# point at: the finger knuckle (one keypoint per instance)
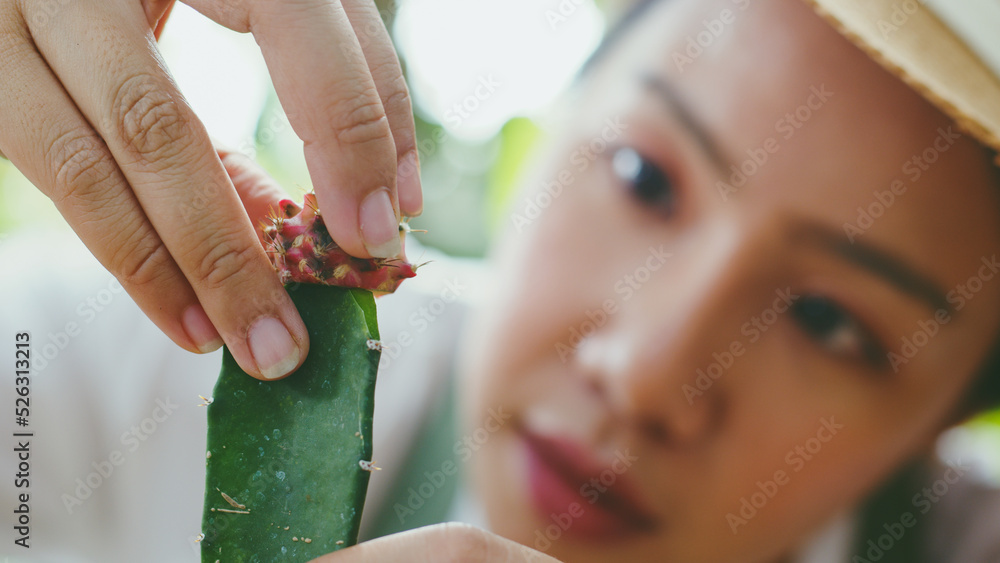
(223, 262)
(361, 121)
(151, 121)
(82, 168)
(398, 98)
(141, 265)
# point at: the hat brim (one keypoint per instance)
(927, 55)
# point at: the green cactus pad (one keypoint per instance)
(290, 451)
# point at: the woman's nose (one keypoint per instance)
(663, 362)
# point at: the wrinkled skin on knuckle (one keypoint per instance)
(398, 97)
(83, 172)
(153, 124)
(142, 264)
(360, 121)
(223, 260)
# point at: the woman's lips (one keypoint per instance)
(583, 496)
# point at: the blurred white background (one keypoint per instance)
(479, 72)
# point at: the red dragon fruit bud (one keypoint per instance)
(302, 251)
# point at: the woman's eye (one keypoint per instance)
(836, 330)
(645, 181)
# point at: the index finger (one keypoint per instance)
(324, 83)
(163, 151)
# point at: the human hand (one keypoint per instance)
(89, 113)
(441, 543)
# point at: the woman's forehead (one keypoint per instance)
(751, 64)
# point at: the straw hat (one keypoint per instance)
(947, 50)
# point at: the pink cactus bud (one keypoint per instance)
(302, 251)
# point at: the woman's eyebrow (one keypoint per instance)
(878, 261)
(687, 117)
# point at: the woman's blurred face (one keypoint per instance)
(702, 349)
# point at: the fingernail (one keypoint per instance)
(273, 348)
(411, 200)
(200, 329)
(379, 225)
